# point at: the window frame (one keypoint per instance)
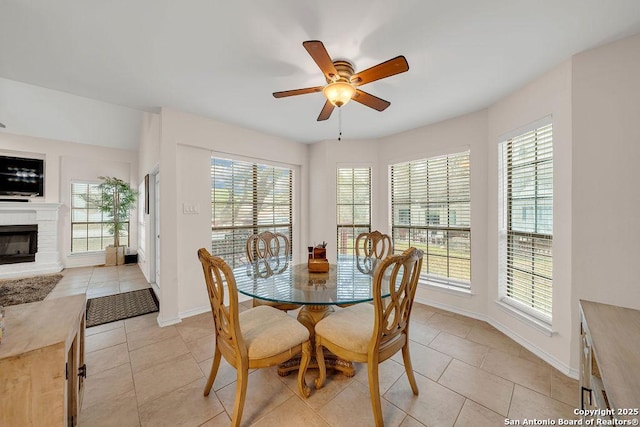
(396, 207)
(240, 233)
(542, 138)
(103, 222)
(357, 228)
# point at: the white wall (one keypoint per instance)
(186, 145)
(549, 94)
(67, 161)
(606, 174)
(36, 111)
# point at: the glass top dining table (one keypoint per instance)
(349, 281)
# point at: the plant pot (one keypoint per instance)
(114, 256)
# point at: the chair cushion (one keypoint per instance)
(268, 331)
(350, 328)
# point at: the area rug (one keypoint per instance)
(27, 289)
(120, 306)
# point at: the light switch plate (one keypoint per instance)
(190, 209)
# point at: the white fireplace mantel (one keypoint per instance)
(46, 216)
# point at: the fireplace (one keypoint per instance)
(47, 258)
(18, 243)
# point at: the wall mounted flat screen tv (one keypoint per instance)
(21, 176)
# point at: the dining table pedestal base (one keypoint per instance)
(309, 315)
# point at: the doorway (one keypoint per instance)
(154, 193)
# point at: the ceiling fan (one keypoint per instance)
(343, 82)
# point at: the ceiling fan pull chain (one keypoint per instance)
(339, 124)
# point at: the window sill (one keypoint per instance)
(446, 288)
(538, 324)
(84, 254)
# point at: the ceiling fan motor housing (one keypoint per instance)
(344, 69)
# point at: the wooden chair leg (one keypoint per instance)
(322, 369)
(241, 394)
(305, 390)
(214, 371)
(408, 368)
(374, 391)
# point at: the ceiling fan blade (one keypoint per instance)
(369, 100)
(293, 92)
(320, 55)
(326, 111)
(388, 68)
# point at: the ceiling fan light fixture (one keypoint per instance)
(339, 93)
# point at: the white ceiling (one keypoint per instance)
(224, 59)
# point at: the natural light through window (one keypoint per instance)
(431, 210)
(89, 226)
(247, 198)
(526, 232)
(353, 204)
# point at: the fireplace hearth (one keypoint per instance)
(18, 243)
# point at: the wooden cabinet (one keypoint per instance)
(610, 361)
(42, 363)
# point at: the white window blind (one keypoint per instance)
(89, 226)
(526, 259)
(247, 198)
(431, 210)
(353, 204)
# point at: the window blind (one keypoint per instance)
(353, 204)
(431, 210)
(247, 198)
(527, 259)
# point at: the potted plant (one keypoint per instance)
(116, 200)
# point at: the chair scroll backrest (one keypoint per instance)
(269, 246)
(373, 245)
(371, 248)
(217, 273)
(392, 314)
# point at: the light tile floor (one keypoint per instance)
(468, 374)
(99, 281)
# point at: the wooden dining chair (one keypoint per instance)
(275, 250)
(256, 338)
(269, 245)
(374, 245)
(372, 333)
(370, 248)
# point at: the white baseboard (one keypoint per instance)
(168, 322)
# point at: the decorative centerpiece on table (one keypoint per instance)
(317, 262)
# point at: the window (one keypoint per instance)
(431, 210)
(353, 203)
(526, 215)
(90, 227)
(247, 198)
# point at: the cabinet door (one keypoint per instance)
(72, 384)
(82, 374)
(76, 373)
(586, 396)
